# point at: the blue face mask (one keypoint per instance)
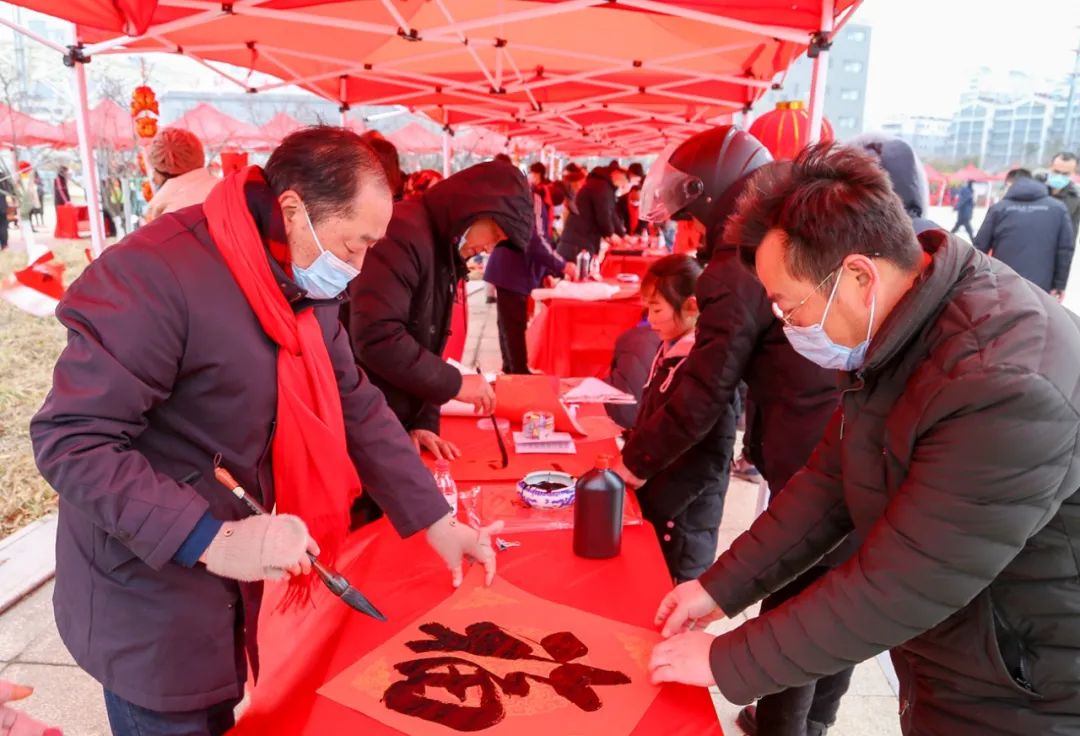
(815, 345)
(328, 275)
(1057, 181)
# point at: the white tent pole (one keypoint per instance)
(445, 153)
(343, 87)
(821, 70)
(77, 62)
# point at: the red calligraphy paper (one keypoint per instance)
(500, 661)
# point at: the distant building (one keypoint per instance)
(845, 90)
(928, 135)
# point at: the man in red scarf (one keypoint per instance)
(211, 336)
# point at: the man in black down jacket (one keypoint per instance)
(593, 218)
(953, 459)
(739, 339)
(403, 299)
(1030, 232)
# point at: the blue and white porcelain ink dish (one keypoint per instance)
(547, 489)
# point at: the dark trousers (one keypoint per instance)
(790, 712)
(964, 222)
(513, 313)
(128, 719)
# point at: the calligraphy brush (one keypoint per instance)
(498, 433)
(335, 581)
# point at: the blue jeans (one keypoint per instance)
(128, 719)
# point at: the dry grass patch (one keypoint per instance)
(29, 347)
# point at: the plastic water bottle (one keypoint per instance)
(446, 485)
(598, 512)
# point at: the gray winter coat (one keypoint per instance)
(1031, 233)
(953, 458)
(166, 365)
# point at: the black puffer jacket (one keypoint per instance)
(593, 219)
(402, 301)
(685, 500)
(954, 459)
(738, 339)
(1030, 232)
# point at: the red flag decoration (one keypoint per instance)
(36, 289)
(786, 130)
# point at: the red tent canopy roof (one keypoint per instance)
(969, 173)
(110, 125)
(933, 174)
(20, 129)
(217, 130)
(676, 67)
(415, 138)
(279, 126)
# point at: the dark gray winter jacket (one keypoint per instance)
(1030, 232)
(954, 460)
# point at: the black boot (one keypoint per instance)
(747, 720)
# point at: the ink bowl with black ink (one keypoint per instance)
(547, 489)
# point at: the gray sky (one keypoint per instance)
(923, 52)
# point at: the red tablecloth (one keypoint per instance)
(573, 338)
(638, 265)
(404, 579)
(68, 217)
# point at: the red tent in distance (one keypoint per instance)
(110, 126)
(217, 130)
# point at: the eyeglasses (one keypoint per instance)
(785, 317)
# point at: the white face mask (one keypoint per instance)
(328, 275)
(814, 344)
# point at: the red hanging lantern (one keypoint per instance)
(143, 99)
(147, 190)
(786, 130)
(146, 127)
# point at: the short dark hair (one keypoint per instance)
(538, 168)
(505, 158)
(636, 169)
(674, 278)
(829, 202)
(1015, 174)
(325, 165)
(391, 162)
(1065, 156)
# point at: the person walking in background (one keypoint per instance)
(1063, 188)
(179, 170)
(1030, 231)
(38, 213)
(965, 208)
(61, 193)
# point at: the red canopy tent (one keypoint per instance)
(479, 141)
(217, 130)
(279, 126)
(969, 173)
(620, 78)
(19, 129)
(111, 126)
(415, 138)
